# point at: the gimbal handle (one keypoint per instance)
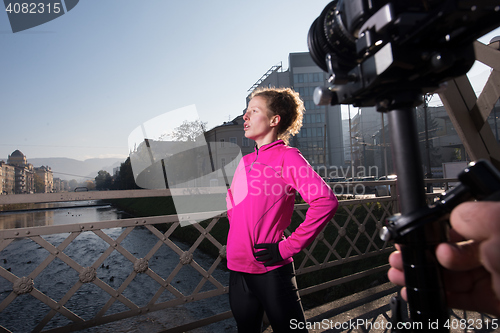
(424, 283)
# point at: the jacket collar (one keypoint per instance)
(269, 145)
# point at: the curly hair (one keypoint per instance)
(286, 103)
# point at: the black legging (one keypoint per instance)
(274, 292)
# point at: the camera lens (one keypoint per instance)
(328, 34)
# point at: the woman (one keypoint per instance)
(260, 207)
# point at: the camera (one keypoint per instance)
(384, 53)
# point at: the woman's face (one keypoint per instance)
(258, 126)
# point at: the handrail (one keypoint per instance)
(356, 226)
(100, 195)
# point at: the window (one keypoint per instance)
(223, 162)
(314, 118)
(233, 141)
(309, 105)
(311, 91)
(245, 142)
(222, 143)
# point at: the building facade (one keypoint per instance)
(17, 176)
(24, 177)
(8, 178)
(226, 143)
(439, 142)
(366, 155)
(45, 179)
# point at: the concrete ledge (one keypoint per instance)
(369, 311)
(365, 305)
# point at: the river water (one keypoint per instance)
(59, 213)
(22, 256)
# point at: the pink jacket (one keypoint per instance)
(260, 205)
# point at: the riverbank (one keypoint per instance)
(29, 208)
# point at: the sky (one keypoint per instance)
(79, 85)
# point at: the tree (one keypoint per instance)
(89, 185)
(73, 183)
(103, 180)
(125, 179)
(188, 131)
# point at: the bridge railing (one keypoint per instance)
(78, 287)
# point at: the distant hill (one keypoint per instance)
(67, 168)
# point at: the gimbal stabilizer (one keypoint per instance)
(389, 54)
(481, 181)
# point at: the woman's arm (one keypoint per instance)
(299, 174)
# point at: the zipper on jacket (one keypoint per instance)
(256, 157)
